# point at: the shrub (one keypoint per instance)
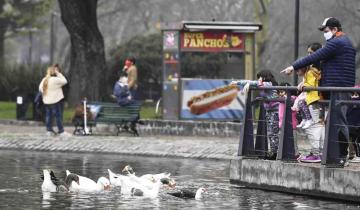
(20, 79)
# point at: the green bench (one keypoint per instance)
(125, 118)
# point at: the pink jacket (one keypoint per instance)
(282, 111)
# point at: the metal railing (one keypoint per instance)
(286, 148)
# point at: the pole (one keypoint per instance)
(296, 37)
(30, 46)
(52, 38)
(86, 129)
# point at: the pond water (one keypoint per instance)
(20, 184)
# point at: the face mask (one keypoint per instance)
(328, 35)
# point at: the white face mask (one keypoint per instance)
(328, 35)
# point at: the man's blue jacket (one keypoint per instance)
(338, 62)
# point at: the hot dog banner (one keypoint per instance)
(212, 41)
(211, 99)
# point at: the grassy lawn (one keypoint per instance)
(8, 111)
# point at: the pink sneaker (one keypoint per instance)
(311, 159)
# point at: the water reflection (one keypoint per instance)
(20, 184)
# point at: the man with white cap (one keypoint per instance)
(338, 68)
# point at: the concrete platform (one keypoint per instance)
(299, 178)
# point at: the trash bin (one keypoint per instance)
(21, 108)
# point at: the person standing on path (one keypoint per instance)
(132, 73)
(338, 70)
(52, 94)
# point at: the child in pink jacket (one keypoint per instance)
(282, 93)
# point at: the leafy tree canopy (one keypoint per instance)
(16, 14)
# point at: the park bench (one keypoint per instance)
(125, 118)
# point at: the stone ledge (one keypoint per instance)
(150, 146)
(163, 127)
(311, 179)
(190, 128)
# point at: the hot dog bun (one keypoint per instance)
(212, 99)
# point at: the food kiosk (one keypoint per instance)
(233, 47)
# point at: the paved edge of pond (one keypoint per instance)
(163, 127)
(305, 179)
(156, 146)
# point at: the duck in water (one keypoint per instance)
(186, 193)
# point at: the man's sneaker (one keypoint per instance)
(344, 162)
(65, 135)
(307, 124)
(311, 159)
(270, 156)
(50, 133)
(355, 160)
(302, 123)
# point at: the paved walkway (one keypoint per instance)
(32, 136)
(29, 137)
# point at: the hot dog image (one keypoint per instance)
(213, 99)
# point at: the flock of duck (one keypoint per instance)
(147, 185)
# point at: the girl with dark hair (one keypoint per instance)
(266, 79)
(311, 49)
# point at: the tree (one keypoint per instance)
(87, 65)
(19, 16)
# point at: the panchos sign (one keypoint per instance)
(212, 41)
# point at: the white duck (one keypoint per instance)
(143, 187)
(117, 179)
(146, 191)
(87, 185)
(155, 177)
(133, 185)
(122, 181)
(48, 184)
(49, 180)
(148, 177)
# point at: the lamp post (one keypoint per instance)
(53, 35)
(296, 36)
